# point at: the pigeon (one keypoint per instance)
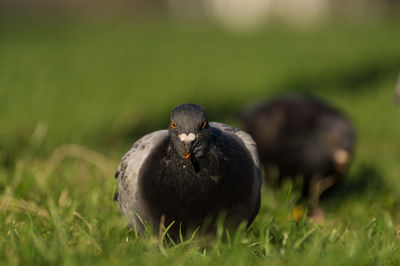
(186, 177)
(300, 135)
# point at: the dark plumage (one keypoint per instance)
(301, 135)
(189, 173)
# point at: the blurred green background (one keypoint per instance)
(101, 79)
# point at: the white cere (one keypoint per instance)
(187, 138)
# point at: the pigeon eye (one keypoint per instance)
(173, 124)
(204, 124)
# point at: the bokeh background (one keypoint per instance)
(80, 81)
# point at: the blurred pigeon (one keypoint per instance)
(189, 174)
(302, 136)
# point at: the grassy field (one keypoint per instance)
(75, 95)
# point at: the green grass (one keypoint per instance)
(75, 95)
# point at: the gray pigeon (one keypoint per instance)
(301, 135)
(189, 174)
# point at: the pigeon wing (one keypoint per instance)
(253, 204)
(128, 172)
(245, 138)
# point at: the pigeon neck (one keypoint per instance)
(194, 162)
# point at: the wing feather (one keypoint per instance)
(128, 175)
(253, 204)
(247, 140)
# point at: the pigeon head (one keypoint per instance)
(189, 130)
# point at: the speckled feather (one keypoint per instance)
(128, 172)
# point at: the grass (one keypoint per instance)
(75, 96)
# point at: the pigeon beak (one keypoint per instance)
(187, 143)
(188, 147)
(187, 155)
